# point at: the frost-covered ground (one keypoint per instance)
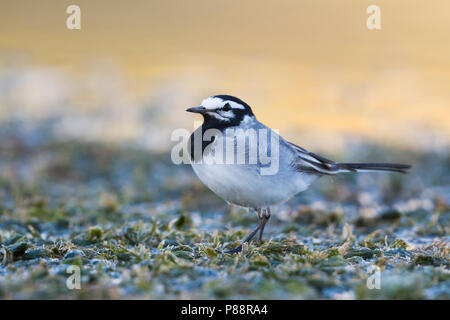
(140, 227)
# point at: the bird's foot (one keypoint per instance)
(235, 250)
(232, 251)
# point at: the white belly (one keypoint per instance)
(243, 185)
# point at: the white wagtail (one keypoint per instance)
(244, 183)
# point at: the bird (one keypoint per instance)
(244, 183)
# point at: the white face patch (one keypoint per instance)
(212, 103)
(216, 103)
(218, 116)
(225, 114)
(234, 105)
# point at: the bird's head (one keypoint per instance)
(223, 111)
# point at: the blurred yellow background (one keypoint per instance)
(310, 68)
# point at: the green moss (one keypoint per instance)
(399, 243)
(95, 234)
(37, 253)
(365, 253)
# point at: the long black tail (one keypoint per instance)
(355, 167)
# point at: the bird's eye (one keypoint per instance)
(226, 107)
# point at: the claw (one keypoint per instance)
(235, 250)
(232, 251)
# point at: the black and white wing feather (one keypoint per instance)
(309, 162)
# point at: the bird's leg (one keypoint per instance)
(264, 216)
(261, 224)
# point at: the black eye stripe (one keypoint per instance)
(226, 107)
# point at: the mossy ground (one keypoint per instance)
(140, 227)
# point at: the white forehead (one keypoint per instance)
(214, 103)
